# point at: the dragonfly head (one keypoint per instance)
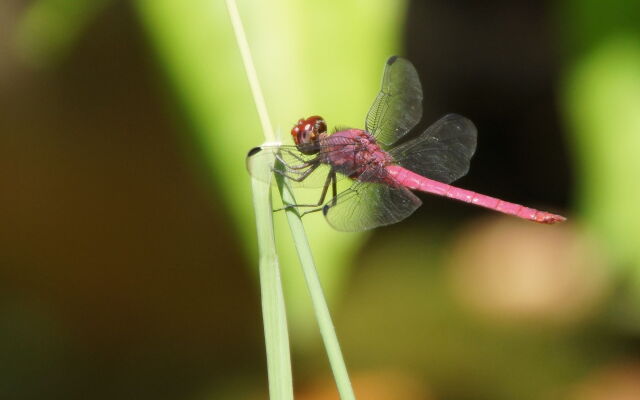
(308, 132)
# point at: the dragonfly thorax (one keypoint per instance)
(352, 152)
(307, 134)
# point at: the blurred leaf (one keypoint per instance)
(601, 99)
(312, 58)
(586, 23)
(50, 28)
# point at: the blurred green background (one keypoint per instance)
(127, 244)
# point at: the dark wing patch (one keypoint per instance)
(443, 152)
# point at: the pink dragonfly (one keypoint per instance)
(383, 175)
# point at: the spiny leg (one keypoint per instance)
(334, 190)
(304, 163)
(303, 176)
(331, 177)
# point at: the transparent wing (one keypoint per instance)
(301, 170)
(398, 106)
(367, 205)
(443, 152)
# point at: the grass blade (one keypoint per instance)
(320, 307)
(274, 314)
(273, 306)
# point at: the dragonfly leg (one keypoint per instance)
(289, 165)
(311, 211)
(316, 209)
(331, 177)
(302, 176)
(334, 189)
(303, 163)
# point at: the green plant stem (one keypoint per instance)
(274, 313)
(250, 69)
(273, 306)
(327, 330)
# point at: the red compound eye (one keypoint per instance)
(308, 130)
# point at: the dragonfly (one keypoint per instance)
(382, 172)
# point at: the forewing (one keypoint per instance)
(443, 152)
(398, 106)
(368, 205)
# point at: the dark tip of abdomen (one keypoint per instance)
(391, 60)
(254, 151)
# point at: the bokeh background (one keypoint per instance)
(128, 265)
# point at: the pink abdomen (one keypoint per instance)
(414, 181)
